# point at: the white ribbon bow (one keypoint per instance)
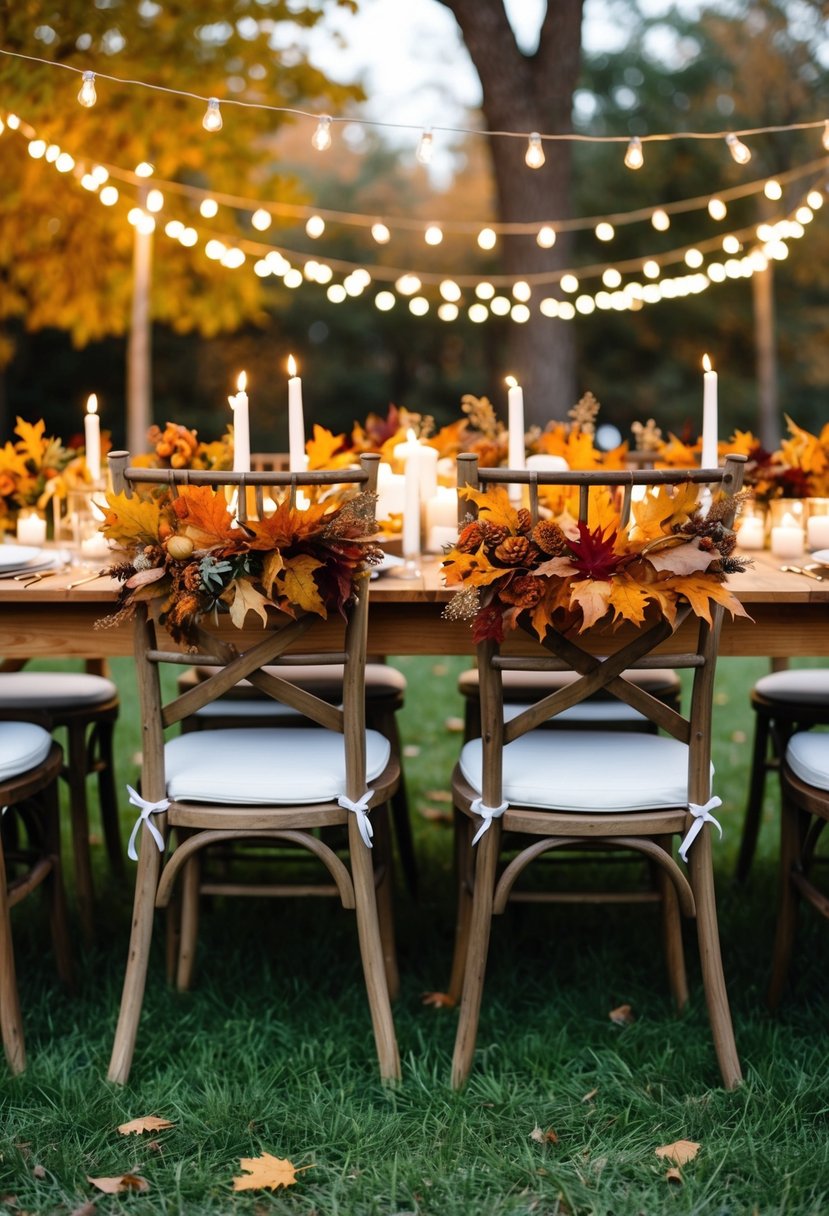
(359, 808)
(147, 809)
(487, 813)
(702, 814)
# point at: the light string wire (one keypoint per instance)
(552, 137)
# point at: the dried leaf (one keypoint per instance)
(628, 599)
(673, 1175)
(682, 559)
(147, 1123)
(205, 518)
(131, 521)
(494, 505)
(322, 449)
(272, 564)
(119, 1184)
(590, 1095)
(623, 1015)
(439, 795)
(265, 1171)
(655, 514)
(463, 565)
(298, 585)
(246, 599)
(438, 1000)
(143, 577)
(434, 814)
(544, 1137)
(39, 1172)
(699, 592)
(592, 596)
(680, 1152)
(86, 1209)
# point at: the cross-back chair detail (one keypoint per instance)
(274, 794)
(502, 795)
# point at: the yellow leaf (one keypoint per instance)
(493, 504)
(699, 591)
(272, 563)
(131, 521)
(680, 1152)
(322, 448)
(246, 599)
(628, 599)
(298, 585)
(473, 566)
(592, 596)
(147, 1123)
(32, 442)
(656, 513)
(265, 1172)
(120, 1183)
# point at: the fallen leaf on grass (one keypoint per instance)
(623, 1015)
(679, 1152)
(590, 1095)
(454, 725)
(673, 1175)
(542, 1137)
(435, 814)
(119, 1184)
(38, 1172)
(266, 1171)
(86, 1209)
(439, 795)
(438, 1000)
(146, 1123)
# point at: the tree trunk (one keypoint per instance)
(530, 93)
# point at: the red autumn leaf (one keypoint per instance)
(593, 553)
(488, 625)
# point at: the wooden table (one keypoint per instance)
(790, 618)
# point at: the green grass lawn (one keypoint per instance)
(272, 1050)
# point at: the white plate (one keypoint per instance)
(48, 560)
(389, 563)
(17, 555)
(821, 556)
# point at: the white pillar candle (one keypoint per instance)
(390, 491)
(817, 531)
(411, 506)
(241, 426)
(787, 538)
(427, 462)
(752, 533)
(709, 458)
(441, 518)
(515, 427)
(543, 463)
(31, 528)
(92, 437)
(296, 422)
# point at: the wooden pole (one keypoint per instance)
(768, 404)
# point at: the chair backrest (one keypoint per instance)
(598, 654)
(349, 496)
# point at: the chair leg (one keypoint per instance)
(672, 934)
(463, 907)
(75, 774)
(189, 924)
(58, 915)
(132, 997)
(480, 926)
(713, 979)
(11, 1022)
(371, 951)
(756, 792)
(793, 823)
(108, 798)
(385, 899)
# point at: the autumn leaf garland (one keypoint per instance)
(189, 553)
(571, 575)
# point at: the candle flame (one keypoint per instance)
(291, 365)
(242, 381)
(92, 404)
(511, 382)
(706, 364)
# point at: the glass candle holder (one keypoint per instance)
(817, 523)
(787, 520)
(751, 525)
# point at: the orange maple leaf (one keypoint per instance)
(265, 1172)
(206, 519)
(556, 596)
(146, 1123)
(288, 525)
(628, 599)
(326, 450)
(700, 591)
(464, 566)
(656, 513)
(493, 504)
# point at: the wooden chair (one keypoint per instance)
(30, 764)
(804, 783)
(588, 790)
(784, 703)
(84, 705)
(275, 787)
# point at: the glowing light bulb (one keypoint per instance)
(611, 277)
(12, 122)
(487, 238)
(634, 157)
(605, 231)
(64, 163)
(261, 219)
(569, 283)
(315, 226)
(824, 139)
(87, 95)
(739, 152)
(37, 147)
(433, 235)
(450, 290)
(380, 233)
(109, 196)
(773, 190)
(815, 199)
(731, 244)
(546, 237)
(155, 200)
(212, 120)
(208, 208)
(521, 291)
(425, 148)
(660, 220)
(693, 258)
(717, 209)
(534, 156)
(651, 269)
(144, 169)
(321, 139)
(484, 291)
(385, 301)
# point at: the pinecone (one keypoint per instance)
(192, 577)
(513, 551)
(550, 538)
(524, 591)
(494, 533)
(525, 521)
(471, 538)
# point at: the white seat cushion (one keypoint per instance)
(595, 771)
(587, 711)
(22, 746)
(265, 766)
(326, 679)
(53, 690)
(808, 757)
(810, 687)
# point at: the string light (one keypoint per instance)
(87, 95)
(321, 139)
(731, 244)
(634, 157)
(425, 148)
(261, 219)
(315, 226)
(380, 233)
(208, 208)
(605, 231)
(739, 152)
(144, 169)
(717, 209)
(773, 190)
(212, 120)
(155, 200)
(534, 157)
(433, 235)
(660, 220)
(546, 237)
(487, 238)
